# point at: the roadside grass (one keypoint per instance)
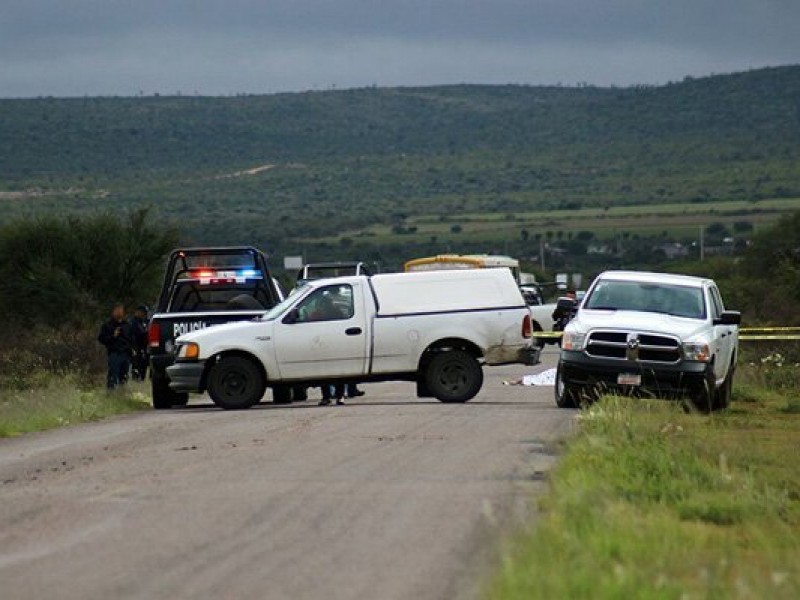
(653, 502)
(61, 400)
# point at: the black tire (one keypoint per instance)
(722, 396)
(567, 396)
(453, 376)
(163, 396)
(705, 398)
(540, 342)
(281, 394)
(236, 383)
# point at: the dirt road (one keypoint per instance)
(389, 497)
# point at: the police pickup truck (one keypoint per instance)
(436, 328)
(204, 287)
(650, 334)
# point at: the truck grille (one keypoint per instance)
(631, 345)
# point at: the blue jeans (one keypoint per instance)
(119, 365)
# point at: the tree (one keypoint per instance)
(455, 228)
(524, 234)
(71, 270)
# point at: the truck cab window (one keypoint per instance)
(331, 303)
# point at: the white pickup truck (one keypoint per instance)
(650, 334)
(434, 328)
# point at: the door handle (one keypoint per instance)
(353, 331)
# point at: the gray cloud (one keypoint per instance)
(75, 47)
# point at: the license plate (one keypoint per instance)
(629, 379)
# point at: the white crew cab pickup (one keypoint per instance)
(650, 334)
(434, 328)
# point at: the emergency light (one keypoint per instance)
(212, 276)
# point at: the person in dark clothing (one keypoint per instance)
(332, 391)
(562, 316)
(116, 336)
(353, 391)
(139, 333)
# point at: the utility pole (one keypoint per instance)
(541, 254)
(702, 244)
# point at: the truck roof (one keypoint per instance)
(651, 277)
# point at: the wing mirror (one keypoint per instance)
(292, 317)
(729, 317)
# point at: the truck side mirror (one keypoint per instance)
(729, 317)
(292, 317)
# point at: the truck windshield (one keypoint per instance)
(197, 296)
(281, 308)
(668, 299)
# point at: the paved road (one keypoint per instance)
(389, 497)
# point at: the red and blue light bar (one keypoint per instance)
(225, 275)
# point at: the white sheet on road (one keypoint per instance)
(545, 378)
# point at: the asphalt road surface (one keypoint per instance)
(388, 497)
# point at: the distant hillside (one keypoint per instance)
(276, 168)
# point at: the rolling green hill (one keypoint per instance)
(360, 171)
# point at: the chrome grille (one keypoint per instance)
(635, 346)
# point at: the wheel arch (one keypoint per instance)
(449, 343)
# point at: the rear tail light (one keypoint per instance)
(527, 327)
(154, 335)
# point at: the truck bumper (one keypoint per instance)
(160, 362)
(186, 377)
(657, 379)
(510, 355)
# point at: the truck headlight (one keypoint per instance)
(573, 341)
(190, 351)
(696, 351)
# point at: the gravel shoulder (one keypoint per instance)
(389, 497)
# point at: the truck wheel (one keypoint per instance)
(722, 397)
(281, 394)
(705, 398)
(567, 396)
(236, 383)
(454, 376)
(163, 396)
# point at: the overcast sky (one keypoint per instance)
(77, 47)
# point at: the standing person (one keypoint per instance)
(139, 333)
(332, 391)
(115, 335)
(353, 391)
(561, 315)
